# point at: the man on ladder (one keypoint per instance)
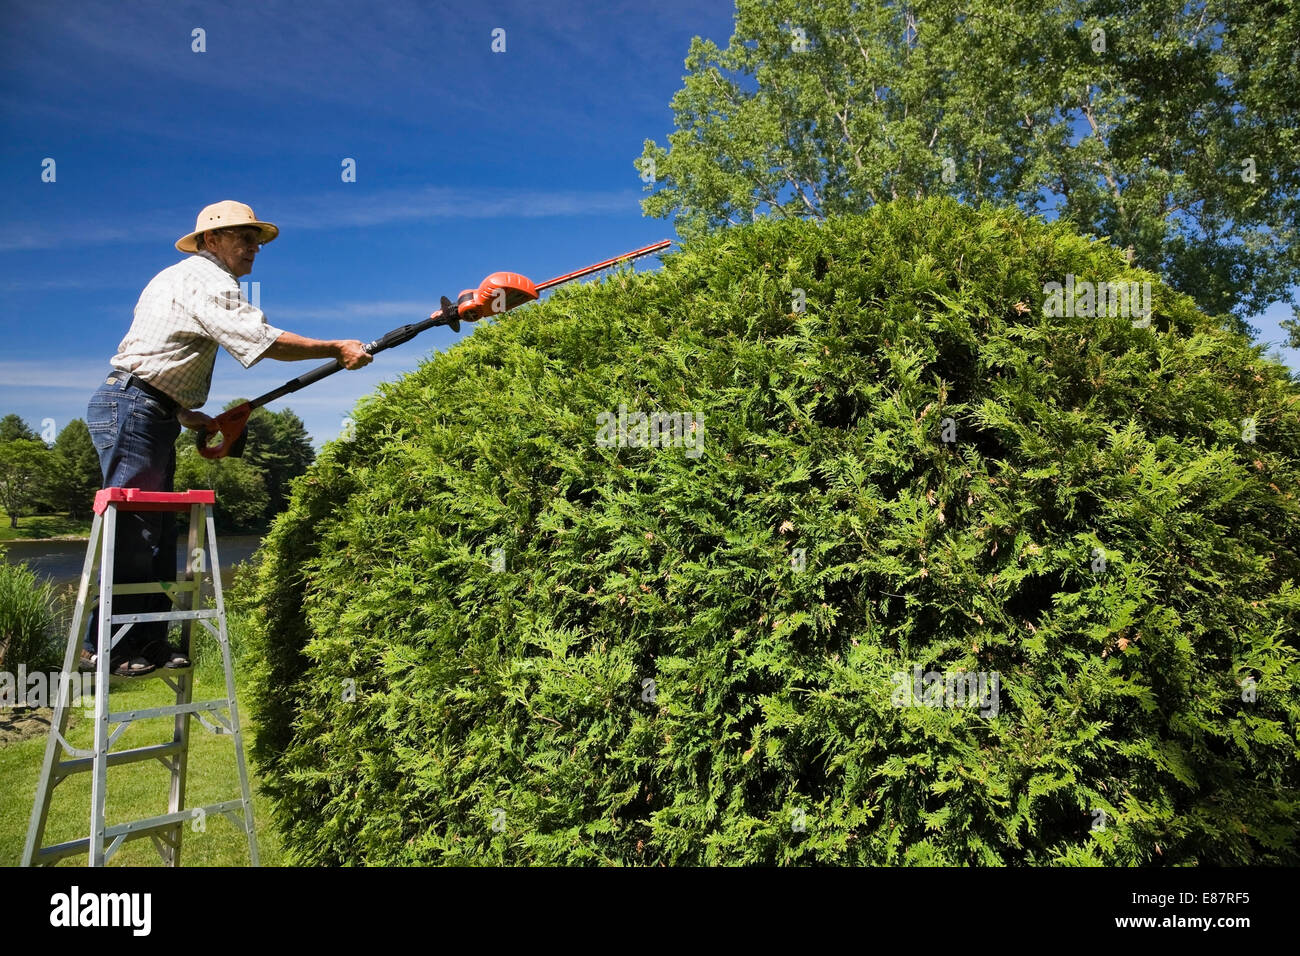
(163, 370)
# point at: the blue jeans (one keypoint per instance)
(135, 436)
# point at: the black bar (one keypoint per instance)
(388, 340)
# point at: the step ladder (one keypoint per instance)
(167, 829)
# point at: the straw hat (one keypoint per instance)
(223, 215)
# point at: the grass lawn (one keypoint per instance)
(43, 526)
(139, 790)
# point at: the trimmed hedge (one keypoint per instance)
(694, 656)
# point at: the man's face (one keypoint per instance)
(236, 247)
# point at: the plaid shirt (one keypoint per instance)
(184, 313)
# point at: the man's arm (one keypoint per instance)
(289, 347)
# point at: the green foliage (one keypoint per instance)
(240, 489)
(1078, 506)
(277, 451)
(76, 474)
(26, 469)
(13, 428)
(206, 652)
(278, 446)
(1189, 107)
(27, 620)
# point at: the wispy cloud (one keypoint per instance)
(16, 238)
(331, 48)
(60, 388)
(55, 285)
(333, 210)
(329, 55)
(81, 374)
(330, 210)
(409, 311)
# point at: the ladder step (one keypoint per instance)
(132, 831)
(155, 587)
(166, 616)
(135, 499)
(171, 710)
(66, 768)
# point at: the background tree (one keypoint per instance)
(39, 499)
(26, 466)
(13, 428)
(239, 486)
(279, 447)
(1170, 126)
(76, 473)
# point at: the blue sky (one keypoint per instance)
(468, 162)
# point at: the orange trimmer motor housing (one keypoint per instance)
(499, 292)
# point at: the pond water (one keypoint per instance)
(60, 562)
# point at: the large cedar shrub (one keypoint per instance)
(1076, 505)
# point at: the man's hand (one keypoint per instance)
(352, 354)
(193, 418)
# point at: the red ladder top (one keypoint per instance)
(133, 499)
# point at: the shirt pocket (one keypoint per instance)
(101, 420)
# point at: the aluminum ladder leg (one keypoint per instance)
(219, 716)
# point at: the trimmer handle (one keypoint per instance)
(500, 292)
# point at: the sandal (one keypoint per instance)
(163, 654)
(119, 667)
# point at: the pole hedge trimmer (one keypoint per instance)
(499, 292)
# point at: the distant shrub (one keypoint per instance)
(28, 612)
